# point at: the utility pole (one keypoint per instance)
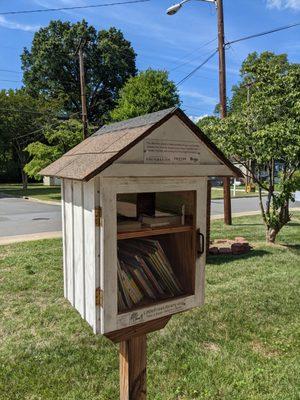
(222, 87)
(82, 88)
(223, 102)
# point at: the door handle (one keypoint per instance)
(200, 243)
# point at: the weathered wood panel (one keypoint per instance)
(97, 326)
(133, 363)
(63, 219)
(69, 255)
(201, 225)
(90, 255)
(128, 170)
(108, 256)
(79, 251)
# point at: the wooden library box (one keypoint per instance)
(134, 212)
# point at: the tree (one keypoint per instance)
(148, 92)
(21, 118)
(262, 132)
(58, 140)
(51, 66)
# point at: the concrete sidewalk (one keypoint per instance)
(29, 237)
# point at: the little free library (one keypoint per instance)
(134, 207)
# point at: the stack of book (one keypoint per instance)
(144, 274)
(128, 221)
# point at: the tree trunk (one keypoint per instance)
(271, 234)
(24, 179)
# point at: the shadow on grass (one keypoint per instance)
(228, 258)
(31, 191)
(247, 224)
(293, 224)
(294, 248)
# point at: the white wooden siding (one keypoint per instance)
(63, 206)
(79, 274)
(68, 219)
(81, 250)
(90, 251)
(129, 170)
(108, 256)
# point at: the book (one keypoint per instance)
(156, 222)
(129, 226)
(144, 273)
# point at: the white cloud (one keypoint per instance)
(4, 23)
(207, 100)
(196, 119)
(284, 4)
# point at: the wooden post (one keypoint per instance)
(223, 101)
(133, 360)
(208, 216)
(227, 201)
(83, 91)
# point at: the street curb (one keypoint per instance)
(55, 203)
(9, 196)
(30, 237)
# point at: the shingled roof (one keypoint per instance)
(100, 150)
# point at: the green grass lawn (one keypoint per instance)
(217, 193)
(36, 190)
(243, 344)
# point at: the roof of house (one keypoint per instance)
(110, 142)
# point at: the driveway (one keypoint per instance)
(23, 217)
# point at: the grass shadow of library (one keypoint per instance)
(294, 248)
(228, 258)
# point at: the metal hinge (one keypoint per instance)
(98, 216)
(99, 297)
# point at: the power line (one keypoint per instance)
(72, 8)
(192, 52)
(237, 41)
(44, 126)
(197, 68)
(262, 33)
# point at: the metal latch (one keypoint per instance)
(200, 243)
(99, 297)
(98, 216)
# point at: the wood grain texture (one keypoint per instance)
(227, 201)
(63, 206)
(154, 231)
(133, 363)
(208, 208)
(138, 330)
(79, 250)
(160, 170)
(89, 256)
(69, 232)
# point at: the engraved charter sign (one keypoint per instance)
(161, 151)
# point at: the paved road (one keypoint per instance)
(21, 217)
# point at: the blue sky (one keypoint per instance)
(164, 42)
